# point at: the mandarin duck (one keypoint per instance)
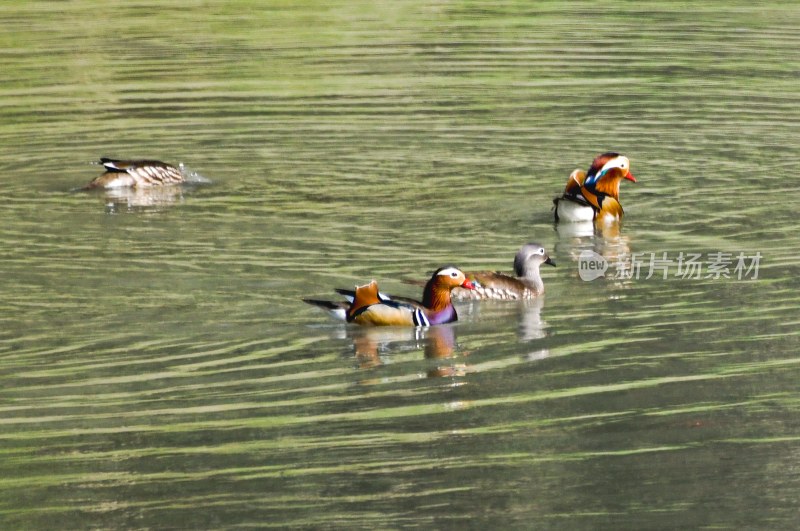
(368, 306)
(594, 195)
(137, 174)
(525, 284)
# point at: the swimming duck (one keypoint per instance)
(594, 195)
(525, 284)
(136, 174)
(368, 306)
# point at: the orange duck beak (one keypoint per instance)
(630, 177)
(467, 284)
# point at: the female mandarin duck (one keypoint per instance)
(137, 174)
(367, 306)
(526, 284)
(594, 195)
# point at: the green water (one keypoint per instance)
(158, 370)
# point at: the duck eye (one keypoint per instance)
(454, 274)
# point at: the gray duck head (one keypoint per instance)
(528, 260)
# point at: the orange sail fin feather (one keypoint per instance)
(575, 182)
(365, 295)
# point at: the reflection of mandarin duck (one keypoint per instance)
(137, 174)
(370, 342)
(440, 342)
(367, 306)
(526, 284)
(594, 195)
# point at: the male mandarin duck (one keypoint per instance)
(594, 195)
(526, 284)
(367, 306)
(137, 174)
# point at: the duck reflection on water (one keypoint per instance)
(527, 313)
(375, 347)
(373, 344)
(133, 199)
(531, 326)
(606, 241)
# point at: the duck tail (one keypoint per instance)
(336, 309)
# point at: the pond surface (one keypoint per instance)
(158, 369)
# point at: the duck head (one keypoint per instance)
(529, 258)
(449, 277)
(443, 280)
(606, 172)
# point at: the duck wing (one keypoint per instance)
(389, 313)
(143, 172)
(494, 285)
(497, 280)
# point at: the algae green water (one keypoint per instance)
(158, 370)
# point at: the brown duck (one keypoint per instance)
(526, 283)
(137, 174)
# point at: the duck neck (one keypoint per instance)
(608, 186)
(436, 298)
(533, 279)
